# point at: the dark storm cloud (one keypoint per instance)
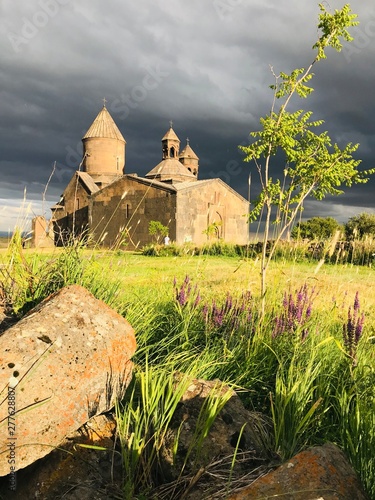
(203, 64)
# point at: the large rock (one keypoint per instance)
(322, 472)
(67, 360)
(74, 472)
(208, 458)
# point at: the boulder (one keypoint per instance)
(321, 472)
(74, 472)
(63, 363)
(207, 455)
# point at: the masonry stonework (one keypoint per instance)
(110, 206)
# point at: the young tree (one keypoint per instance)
(313, 166)
(360, 225)
(157, 229)
(316, 228)
(213, 230)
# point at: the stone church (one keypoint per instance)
(102, 200)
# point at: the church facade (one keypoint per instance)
(103, 201)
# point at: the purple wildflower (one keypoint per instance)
(205, 312)
(218, 318)
(352, 329)
(228, 303)
(356, 302)
(197, 300)
(308, 311)
(229, 316)
(184, 293)
(181, 297)
(296, 312)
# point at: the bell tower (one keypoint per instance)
(170, 144)
(189, 159)
(171, 169)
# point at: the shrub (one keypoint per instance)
(317, 228)
(359, 226)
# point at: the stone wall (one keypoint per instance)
(211, 202)
(72, 216)
(104, 155)
(41, 234)
(129, 205)
(124, 208)
(75, 196)
(76, 223)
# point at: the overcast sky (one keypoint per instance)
(205, 64)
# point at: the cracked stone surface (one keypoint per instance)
(321, 472)
(63, 363)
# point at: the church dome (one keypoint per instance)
(170, 170)
(104, 127)
(103, 148)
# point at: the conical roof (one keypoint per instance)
(170, 135)
(170, 168)
(104, 126)
(187, 152)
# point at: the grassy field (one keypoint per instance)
(307, 365)
(217, 275)
(4, 241)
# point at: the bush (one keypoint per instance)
(217, 248)
(359, 226)
(317, 228)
